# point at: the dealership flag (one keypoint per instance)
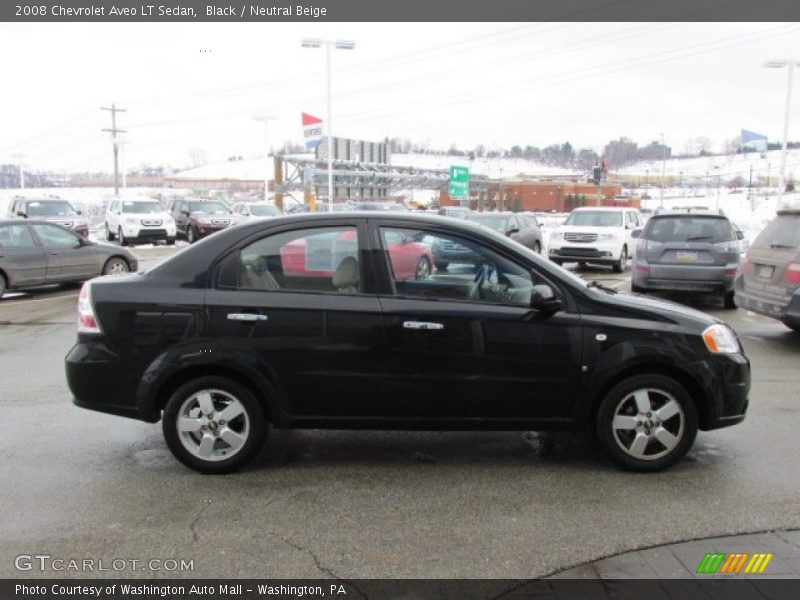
(754, 141)
(312, 130)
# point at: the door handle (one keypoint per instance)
(246, 317)
(422, 325)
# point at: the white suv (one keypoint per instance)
(138, 220)
(600, 235)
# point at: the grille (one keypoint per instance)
(583, 238)
(151, 222)
(219, 221)
(453, 247)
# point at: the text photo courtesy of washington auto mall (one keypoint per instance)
(366, 300)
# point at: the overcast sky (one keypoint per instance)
(192, 85)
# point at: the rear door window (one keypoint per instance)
(783, 232)
(16, 236)
(689, 229)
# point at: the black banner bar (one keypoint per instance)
(727, 588)
(170, 11)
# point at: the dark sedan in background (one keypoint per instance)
(37, 253)
(217, 350)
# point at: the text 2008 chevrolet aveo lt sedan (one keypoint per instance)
(222, 339)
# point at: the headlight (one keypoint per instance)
(204, 220)
(131, 221)
(720, 339)
(606, 236)
(557, 235)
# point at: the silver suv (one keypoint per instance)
(687, 252)
(770, 279)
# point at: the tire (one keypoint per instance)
(215, 446)
(123, 241)
(109, 236)
(623, 406)
(190, 236)
(116, 266)
(557, 262)
(537, 247)
(730, 301)
(637, 289)
(582, 264)
(423, 268)
(442, 265)
(622, 263)
(3, 285)
(171, 241)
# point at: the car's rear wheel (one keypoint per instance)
(647, 422)
(622, 263)
(637, 289)
(537, 247)
(730, 301)
(423, 268)
(3, 285)
(214, 425)
(109, 236)
(116, 266)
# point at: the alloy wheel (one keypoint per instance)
(648, 424)
(213, 425)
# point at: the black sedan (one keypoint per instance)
(302, 322)
(37, 253)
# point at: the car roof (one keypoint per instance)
(603, 208)
(27, 222)
(692, 213)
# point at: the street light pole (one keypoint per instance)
(266, 119)
(339, 45)
(778, 64)
(663, 167)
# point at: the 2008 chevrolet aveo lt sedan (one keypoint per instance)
(223, 339)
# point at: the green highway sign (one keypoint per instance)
(459, 182)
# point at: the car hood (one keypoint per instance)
(647, 308)
(589, 229)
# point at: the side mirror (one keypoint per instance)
(512, 231)
(78, 212)
(544, 298)
(22, 214)
(739, 235)
(185, 213)
(636, 234)
(82, 241)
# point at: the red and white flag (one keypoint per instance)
(312, 130)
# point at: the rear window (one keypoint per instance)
(595, 218)
(782, 232)
(688, 229)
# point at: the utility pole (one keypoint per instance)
(266, 119)
(20, 158)
(115, 144)
(663, 168)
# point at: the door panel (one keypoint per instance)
(66, 258)
(21, 258)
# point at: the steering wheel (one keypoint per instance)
(482, 273)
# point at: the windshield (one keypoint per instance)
(207, 208)
(595, 218)
(264, 210)
(496, 222)
(784, 232)
(688, 229)
(49, 208)
(139, 208)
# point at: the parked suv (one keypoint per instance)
(687, 252)
(520, 228)
(138, 220)
(225, 337)
(770, 280)
(600, 235)
(52, 210)
(196, 219)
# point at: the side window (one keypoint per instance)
(53, 236)
(433, 265)
(15, 236)
(320, 259)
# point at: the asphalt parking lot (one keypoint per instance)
(79, 484)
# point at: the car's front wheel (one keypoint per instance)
(190, 235)
(537, 247)
(730, 301)
(441, 265)
(647, 422)
(423, 268)
(109, 236)
(123, 241)
(622, 263)
(116, 266)
(214, 425)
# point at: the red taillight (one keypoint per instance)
(730, 272)
(792, 273)
(747, 266)
(642, 269)
(87, 321)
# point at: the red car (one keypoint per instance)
(410, 259)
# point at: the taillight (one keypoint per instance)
(747, 266)
(642, 269)
(87, 320)
(792, 273)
